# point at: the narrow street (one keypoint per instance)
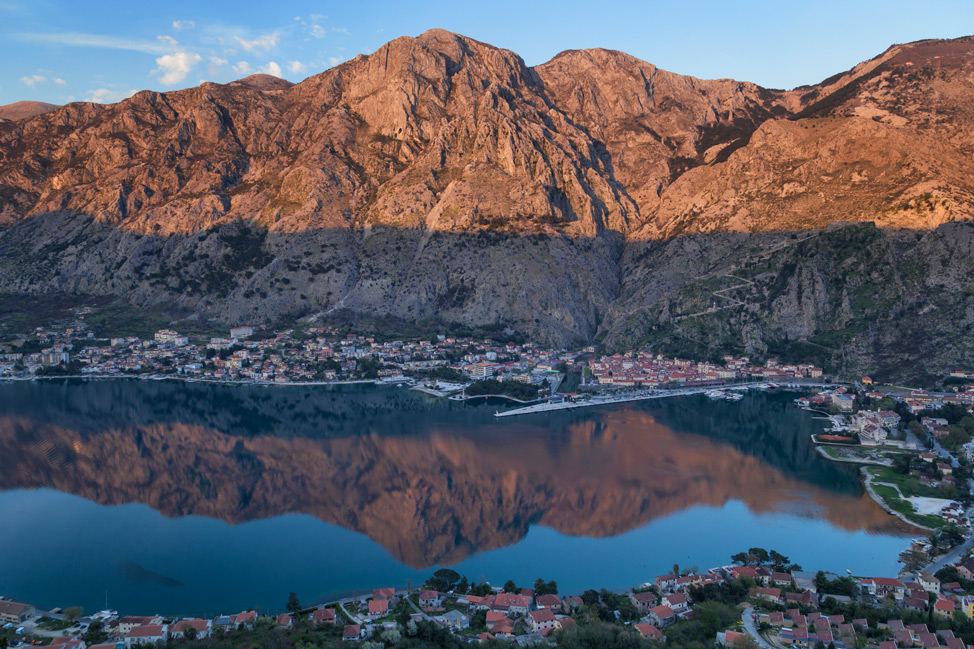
(747, 618)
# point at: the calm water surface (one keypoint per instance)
(201, 499)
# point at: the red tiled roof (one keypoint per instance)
(544, 615)
(199, 625)
(649, 631)
(549, 600)
(351, 631)
(323, 615)
(145, 631)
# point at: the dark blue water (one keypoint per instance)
(198, 499)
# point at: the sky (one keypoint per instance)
(105, 50)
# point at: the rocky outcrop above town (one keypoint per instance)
(593, 197)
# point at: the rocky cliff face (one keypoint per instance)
(440, 179)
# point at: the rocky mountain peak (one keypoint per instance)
(24, 110)
(441, 179)
(263, 82)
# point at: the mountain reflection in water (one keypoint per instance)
(432, 481)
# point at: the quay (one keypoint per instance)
(598, 400)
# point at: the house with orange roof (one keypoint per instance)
(649, 631)
(323, 616)
(378, 608)
(146, 634)
(429, 599)
(352, 633)
(200, 628)
(384, 593)
(661, 616)
(541, 621)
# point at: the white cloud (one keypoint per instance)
(60, 82)
(380, 30)
(318, 31)
(265, 42)
(272, 69)
(242, 67)
(217, 61)
(33, 80)
(107, 96)
(77, 39)
(335, 60)
(296, 67)
(183, 24)
(176, 66)
(340, 30)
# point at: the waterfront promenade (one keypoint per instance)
(606, 400)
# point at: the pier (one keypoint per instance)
(652, 394)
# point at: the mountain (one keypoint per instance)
(440, 180)
(24, 109)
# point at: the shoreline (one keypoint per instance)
(868, 484)
(191, 379)
(820, 448)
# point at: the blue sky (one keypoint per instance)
(104, 50)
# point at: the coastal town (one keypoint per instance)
(326, 354)
(760, 600)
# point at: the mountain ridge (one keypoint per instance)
(441, 179)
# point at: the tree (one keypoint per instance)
(821, 581)
(95, 633)
(443, 580)
(902, 463)
(481, 590)
(293, 604)
(711, 622)
(740, 558)
(189, 631)
(542, 587)
(510, 586)
(590, 597)
(779, 560)
(463, 586)
(478, 621)
(759, 555)
(72, 613)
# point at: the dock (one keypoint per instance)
(649, 394)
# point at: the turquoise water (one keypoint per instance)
(195, 499)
